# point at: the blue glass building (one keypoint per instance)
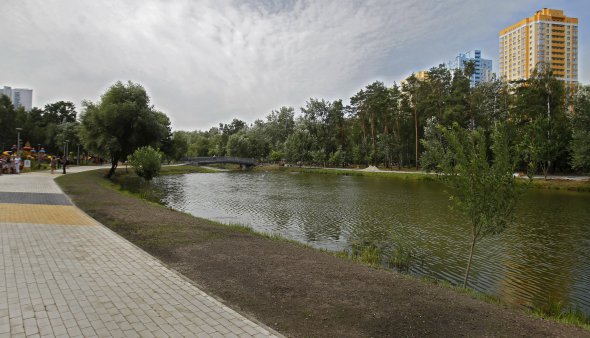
(483, 67)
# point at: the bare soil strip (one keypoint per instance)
(296, 290)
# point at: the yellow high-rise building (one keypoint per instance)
(547, 37)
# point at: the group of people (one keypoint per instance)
(11, 164)
(55, 161)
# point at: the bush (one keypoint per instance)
(276, 155)
(146, 161)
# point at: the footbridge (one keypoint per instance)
(245, 163)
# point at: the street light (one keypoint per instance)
(18, 130)
(40, 155)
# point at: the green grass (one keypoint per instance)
(330, 171)
(466, 291)
(580, 186)
(184, 169)
(389, 254)
(555, 310)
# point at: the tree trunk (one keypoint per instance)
(114, 163)
(546, 169)
(416, 125)
(469, 262)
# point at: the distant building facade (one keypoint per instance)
(483, 67)
(421, 75)
(547, 37)
(20, 97)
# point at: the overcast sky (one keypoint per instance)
(204, 62)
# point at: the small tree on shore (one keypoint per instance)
(479, 170)
(147, 162)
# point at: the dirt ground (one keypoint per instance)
(298, 291)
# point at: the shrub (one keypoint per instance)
(146, 161)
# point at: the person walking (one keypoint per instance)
(64, 161)
(17, 164)
(53, 164)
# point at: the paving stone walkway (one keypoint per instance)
(63, 274)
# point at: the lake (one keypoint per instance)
(544, 256)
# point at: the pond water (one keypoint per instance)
(544, 256)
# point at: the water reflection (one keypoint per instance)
(545, 255)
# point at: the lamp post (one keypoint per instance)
(41, 155)
(18, 130)
(65, 158)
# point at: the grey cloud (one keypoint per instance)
(205, 62)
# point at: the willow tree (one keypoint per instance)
(479, 171)
(122, 121)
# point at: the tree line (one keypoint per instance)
(549, 124)
(122, 121)
(48, 127)
(385, 125)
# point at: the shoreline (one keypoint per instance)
(580, 184)
(178, 252)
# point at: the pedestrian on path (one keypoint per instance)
(53, 164)
(64, 161)
(17, 164)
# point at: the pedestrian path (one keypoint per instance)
(64, 274)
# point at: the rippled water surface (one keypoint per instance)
(545, 255)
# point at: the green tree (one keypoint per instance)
(457, 108)
(299, 145)
(435, 94)
(276, 156)
(67, 132)
(544, 126)
(580, 143)
(199, 146)
(122, 121)
(177, 147)
(491, 102)
(411, 90)
(7, 123)
(371, 107)
(59, 112)
(239, 145)
(279, 125)
(480, 174)
(146, 161)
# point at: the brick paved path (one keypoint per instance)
(64, 274)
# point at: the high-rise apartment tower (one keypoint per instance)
(20, 97)
(482, 69)
(547, 37)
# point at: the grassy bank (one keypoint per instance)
(419, 176)
(184, 169)
(295, 289)
(551, 184)
(581, 186)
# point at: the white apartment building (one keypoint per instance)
(20, 97)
